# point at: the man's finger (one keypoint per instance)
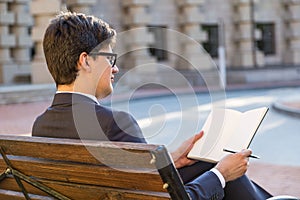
(246, 152)
(198, 136)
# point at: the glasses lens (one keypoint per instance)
(111, 59)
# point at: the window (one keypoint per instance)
(212, 44)
(158, 48)
(267, 42)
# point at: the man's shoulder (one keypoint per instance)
(104, 110)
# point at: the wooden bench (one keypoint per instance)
(49, 168)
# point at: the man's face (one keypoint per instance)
(104, 73)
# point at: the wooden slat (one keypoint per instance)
(9, 183)
(87, 174)
(75, 191)
(11, 195)
(110, 153)
(95, 193)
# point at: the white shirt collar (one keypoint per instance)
(84, 94)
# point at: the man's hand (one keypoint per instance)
(180, 155)
(235, 165)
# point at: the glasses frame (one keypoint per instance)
(106, 54)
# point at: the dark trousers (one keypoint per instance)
(239, 189)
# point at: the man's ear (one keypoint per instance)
(83, 62)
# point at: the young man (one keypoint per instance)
(78, 51)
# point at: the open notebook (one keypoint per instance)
(227, 129)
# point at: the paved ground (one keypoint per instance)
(277, 179)
(17, 119)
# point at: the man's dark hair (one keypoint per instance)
(67, 36)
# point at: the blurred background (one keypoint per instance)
(249, 40)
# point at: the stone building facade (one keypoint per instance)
(256, 34)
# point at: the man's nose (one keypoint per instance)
(115, 69)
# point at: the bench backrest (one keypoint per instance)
(43, 168)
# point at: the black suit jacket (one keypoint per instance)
(79, 117)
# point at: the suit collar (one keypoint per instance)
(71, 98)
(80, 93)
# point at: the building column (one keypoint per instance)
(43, 11)
(80, 6)
(243, 55)
(21, 52)
(7, 40)
(136, 20)
(292, 31)
(190, 20)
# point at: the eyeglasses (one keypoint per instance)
(111, 57)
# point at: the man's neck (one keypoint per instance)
(66, 88)
(71, 88)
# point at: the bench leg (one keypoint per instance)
(9, 171)
(20, 176)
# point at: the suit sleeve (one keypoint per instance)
(205, 187)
